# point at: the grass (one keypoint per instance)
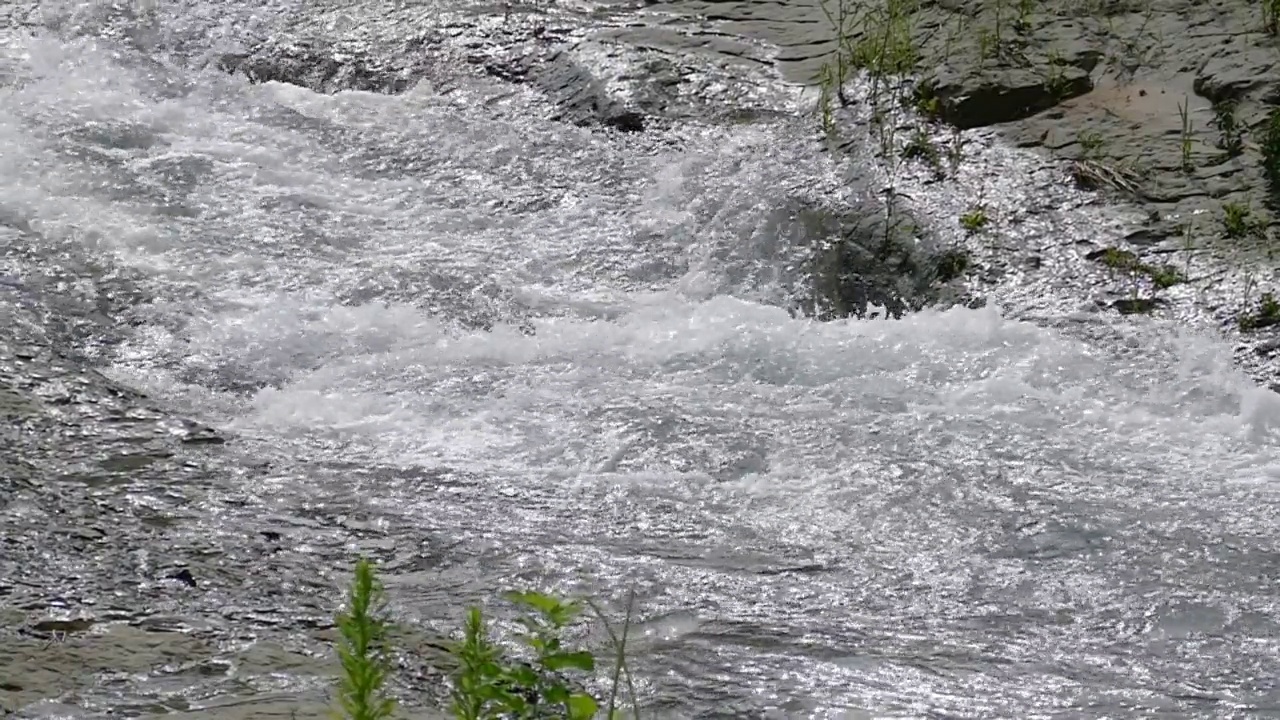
(1161, 277)
(1265, 314)
(1271, 17)
(974, 219)
(1185, 140)
(545, 678)
(1238, 221)
(1091, 142)
(1230, 129)
(1270, 143)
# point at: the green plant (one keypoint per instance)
(362, 650)
(1271, 153)
(1238, 221)
(951, 264)
(1055, 80)
(1265, 314)
(1271, 16)
(1025, 7)
(1184, 113)
(955, 150)
(988, 44)
(974, 219)
(490, 685)
(827, 88)
(1161, 277)
(1091, 142)
(1230, 130)
(921, 147)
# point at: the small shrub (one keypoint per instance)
(1266, 314)
(921, 147)
(363, 651)
(1161, 276)
(974, 219)
(1238, 221)
(1230, 131)
(1271, 153)
(1271, 17)
(1091, 142)
(951, 264)
(491, 685)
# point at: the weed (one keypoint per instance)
(827, 87)
(955, 150)
(988, 44)
(921, 147)
(1118, 260)
(1122, 260)
(1230, 131)
(363, 650)
(1266, 314)
(1164, 276)
(1023, 23)
(1184, 113)
(1055, 80)
(928, 104)
(951, 264)
(1271, 17)
(1091, 142)
(488, 685)
(1238, 221)
(1271, 153)
(974, 219)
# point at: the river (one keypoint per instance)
(495, 350)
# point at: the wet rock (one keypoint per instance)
(183, 576)
(1137, 305)
(969, 100)
(1234, 76)
(581, 96)
(328, 69)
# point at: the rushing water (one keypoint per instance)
(560, 357)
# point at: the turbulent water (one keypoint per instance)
(563, 357)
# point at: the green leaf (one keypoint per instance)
(581, 707)
(556, 695)
(541, 602)
(581, 660)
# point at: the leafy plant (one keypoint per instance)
(1025, 7)
(490, 685)
(921, 147)
(1271, 16)
(1266, 314)
(1055, 80)
(974, 219)
(1230, 130)
(1271, 152)
(1091, 142)
(1238, 221)
(1161, 277)
(362, 650)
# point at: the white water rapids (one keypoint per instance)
(562, 350)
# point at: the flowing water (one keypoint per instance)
(526, 353)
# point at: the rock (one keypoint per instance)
(977, 99)
(1236, 75)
